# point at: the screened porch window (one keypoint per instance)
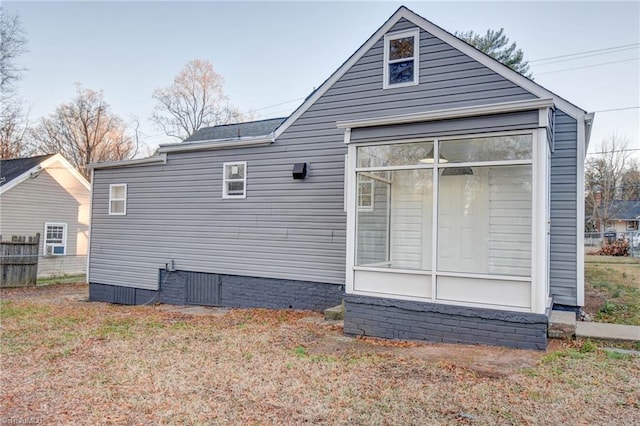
(481, 223)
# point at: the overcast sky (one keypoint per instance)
(272, 55)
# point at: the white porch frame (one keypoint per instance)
(538, 281)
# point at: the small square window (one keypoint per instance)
(55, 239)
(118, 199)
(401, 54)
(234, 182)
(365, 194)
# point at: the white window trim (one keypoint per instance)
(124, 212)
(64, 240)
(225, 188)
(415, 33)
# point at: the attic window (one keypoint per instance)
(401, 53)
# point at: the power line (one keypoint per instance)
(617, 109)
(275, 105)
(604, 50)
(588, 66)
(615, 150)
(580, 57)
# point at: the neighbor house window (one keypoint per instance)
(118, 199)
(55, 239)
(401, 53)
(234, 183)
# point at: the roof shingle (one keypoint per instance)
(11, 169)
(237, 130)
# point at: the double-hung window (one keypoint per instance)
(234, 180)
(118, 199)
(401, 54)
(55, 239)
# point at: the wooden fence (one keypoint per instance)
(19, 261)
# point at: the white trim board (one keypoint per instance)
(445, 114)
(448, 38)
(160, 159)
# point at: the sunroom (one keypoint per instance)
(450, 215)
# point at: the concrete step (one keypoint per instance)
(334, 314)
(562, 325)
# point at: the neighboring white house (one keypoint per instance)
(46, 195)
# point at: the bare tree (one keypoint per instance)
(195, 99)
(631, 182)
(13, 119)
(604, 175)
(84, 131)
(13, 126)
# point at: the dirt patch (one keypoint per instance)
(486, 361)
(73, 292)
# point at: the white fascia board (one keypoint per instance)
(58, 157)
(160, 159)
(448, 38)
(217, 144)
(445, 114)
(588, 123)
(43, 165)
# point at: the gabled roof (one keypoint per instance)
(11, 169)
(625, 210)
(467, 49)
(13, 172)
(236, 130)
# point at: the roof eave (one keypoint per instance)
(445, 114)
(159, 159)
(43, 165)
(213, 144)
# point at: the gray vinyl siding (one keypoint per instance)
(563, 256)
(55, 196)
(175, 212)
(285, 228)
(372, 245)
(462, 126)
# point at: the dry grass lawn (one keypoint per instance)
(612, 291)
(65, 361)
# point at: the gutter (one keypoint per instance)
(217, 144)
(160, 159)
